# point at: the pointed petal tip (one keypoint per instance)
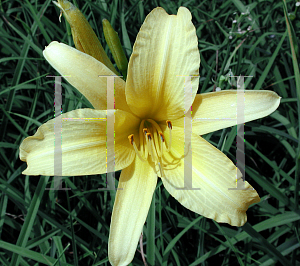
(272, 99)
(50, 46)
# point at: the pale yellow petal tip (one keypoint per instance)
(250, 197)
(23, 157)
(237, 216)
(182, 11)
(185, 12)
(51, 44)
(28, 146)
(55, 48)
(28, 172)
(24, 151)
(274, 100)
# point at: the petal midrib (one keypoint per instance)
(164, 60)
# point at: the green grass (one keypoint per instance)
(46, 227)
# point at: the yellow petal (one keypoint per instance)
(164, 54)
(83, 71)
(83, 144)
(216, 110)
(84, 37)
(130, 211)
(213, 173)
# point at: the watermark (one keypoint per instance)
(240, 134)
(110, 134)
(188, 159)
(57, 135)
(240, 120)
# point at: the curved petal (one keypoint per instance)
(131, 207)
(216, 110)
(83, 144)
(82, 71)
(213, 173)
(164, 54)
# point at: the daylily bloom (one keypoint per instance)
(149, 130)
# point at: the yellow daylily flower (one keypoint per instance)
(149, 130)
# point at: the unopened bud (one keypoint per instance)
(114, 44)
(84, 37)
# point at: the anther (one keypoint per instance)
(132, 142)
(169, 124)
(149, 136)
(161, 136)
(145, 130)
(130, 137)
(151, 147)
(152, 142)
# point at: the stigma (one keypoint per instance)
(152, 144)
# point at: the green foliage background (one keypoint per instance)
(46, 227)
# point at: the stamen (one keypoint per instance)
(158, 129)
(154, 124)
(160, 169)
(162, 140)
(148, 139)
(131, 140)
(158, 149)
(143, 147)
(145, 142)
(169, 124)
(152, 142)
(151, 147)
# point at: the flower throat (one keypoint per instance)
(152, 142)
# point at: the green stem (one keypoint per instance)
(151, 233)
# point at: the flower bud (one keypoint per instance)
(84, 37)
(114, 44)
